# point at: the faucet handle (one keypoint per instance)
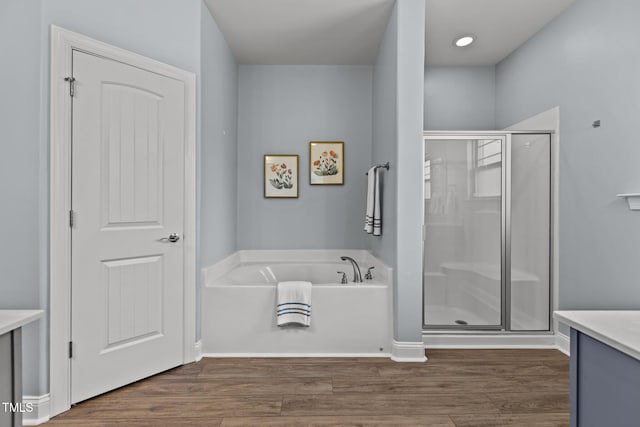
(344, 279)
(369, 276)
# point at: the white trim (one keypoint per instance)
(305, 355)
(62, 44)
(197, 351)
(40, 412)
(473, 341)
(563, 343)
(408, 351)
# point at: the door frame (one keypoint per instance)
(63, 43)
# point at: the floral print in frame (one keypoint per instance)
(280, 175)
(326, 163)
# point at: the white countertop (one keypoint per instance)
(14, 319)
(618, 329)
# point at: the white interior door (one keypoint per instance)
(127, 198)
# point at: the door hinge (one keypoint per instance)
(72, 217)
(72, 85)
(424, 233)
(70, 349)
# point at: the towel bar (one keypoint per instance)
(386, 166)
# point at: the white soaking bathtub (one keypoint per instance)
(239, 298)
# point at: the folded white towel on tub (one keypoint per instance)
(294, 303)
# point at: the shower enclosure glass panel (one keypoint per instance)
(530, 224)
(463, 186)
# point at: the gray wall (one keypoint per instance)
(587, 61)
(281, 109)
(22, 190)
(219, 95)
(384, 145)
(166, 30)
(459, 98)
(408, 301)
(398, 124)
(218, 188)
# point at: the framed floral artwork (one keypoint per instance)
(280, 175)
(326, 163)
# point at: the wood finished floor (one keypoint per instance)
(462, 388)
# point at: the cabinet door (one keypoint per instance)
(605, 384)
(10, 378)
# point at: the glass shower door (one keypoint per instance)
(463, 188)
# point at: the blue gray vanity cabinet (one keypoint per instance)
(605, 384)
(604, 367)
(11, 405)
(10, 377)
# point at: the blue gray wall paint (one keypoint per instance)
(281, 109)
(459, 98)
(22, 258)
(219, 90)
(165, 30)
(384, 145)
(410, 170)
(398, 113)
(218, 154)
(587, 61)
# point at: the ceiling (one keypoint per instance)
(302, 31)
(306, 32)
(501, 26)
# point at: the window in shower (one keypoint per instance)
(427, 178)
(487, 167)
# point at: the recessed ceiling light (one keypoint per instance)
(464, 41)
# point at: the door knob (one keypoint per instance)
(173, 237)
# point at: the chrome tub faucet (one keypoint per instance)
(357, 276)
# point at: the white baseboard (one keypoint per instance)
(408, 351)
(557, 341)
(197, 350)
(41, 410)
(488, 341)
(563, 343)
(276, 355)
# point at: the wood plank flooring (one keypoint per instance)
(463, 388)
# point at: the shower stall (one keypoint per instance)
(487, 231)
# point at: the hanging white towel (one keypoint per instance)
(294, 303)
(373, 215)
(371, 186)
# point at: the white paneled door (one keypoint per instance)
(128, 199)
